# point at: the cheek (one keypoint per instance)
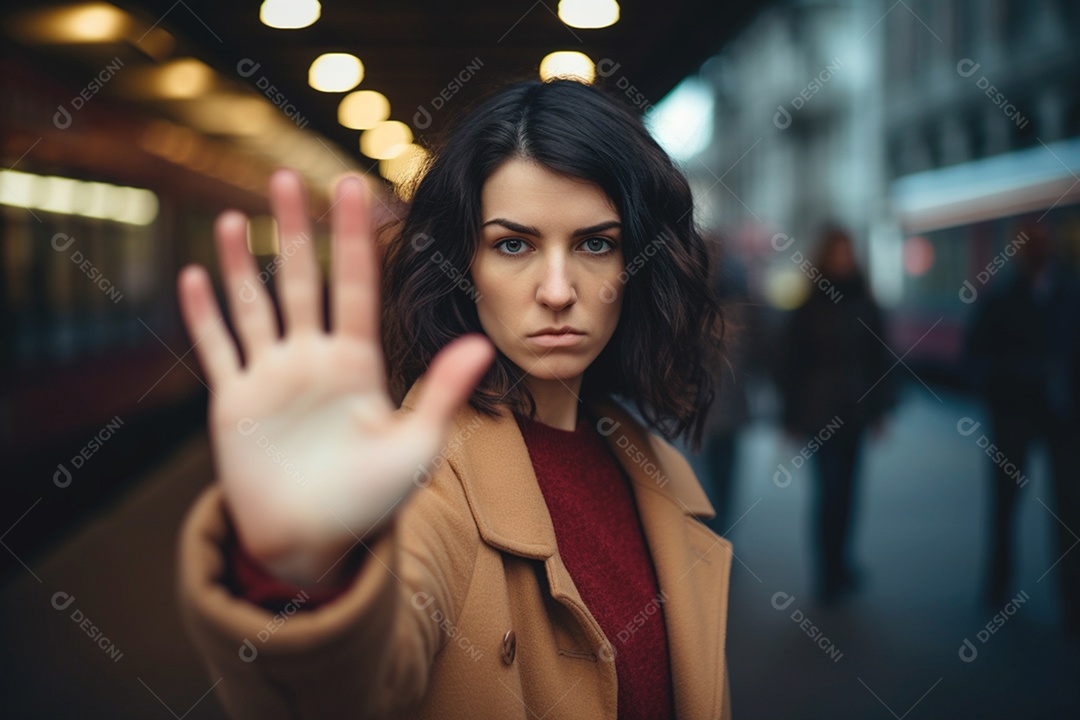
(610, 311)
(498, 303)
(606, 291)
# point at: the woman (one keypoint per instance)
(509, 543)
(834, 377)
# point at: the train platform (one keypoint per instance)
(92, 628)
(916, 641)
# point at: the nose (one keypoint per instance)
(556, 289)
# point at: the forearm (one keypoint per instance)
(285, 663)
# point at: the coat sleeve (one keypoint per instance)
(367, 653)
(252, 581)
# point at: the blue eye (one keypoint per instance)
(598, 245)
(593, 246)
(510, 246)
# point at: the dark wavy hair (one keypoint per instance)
(670, 327)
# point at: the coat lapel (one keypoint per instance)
(692, 563)
(490, 457)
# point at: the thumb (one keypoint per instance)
(453, 375)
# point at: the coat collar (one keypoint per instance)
(491, 459)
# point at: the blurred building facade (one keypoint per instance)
(929, 128)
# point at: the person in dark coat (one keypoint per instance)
(1024, 354)
(834, 383)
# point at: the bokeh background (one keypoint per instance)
(941, 136)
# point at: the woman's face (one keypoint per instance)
(550, 252)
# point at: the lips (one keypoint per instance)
(565, 336)
(564, 330)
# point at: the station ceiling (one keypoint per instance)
(415, 51)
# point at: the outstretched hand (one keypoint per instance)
(306, 442)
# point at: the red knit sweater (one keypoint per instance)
(602, 544)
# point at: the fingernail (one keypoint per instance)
(350, 180)
(232, 218)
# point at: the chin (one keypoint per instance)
(553, 368)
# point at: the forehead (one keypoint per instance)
(531, 194)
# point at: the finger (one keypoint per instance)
(205, 325)
(354, 286)
(451, 378)
(249, 299)
(299, 280)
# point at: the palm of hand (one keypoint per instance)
(307, 445)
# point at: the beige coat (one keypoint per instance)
(466, 609)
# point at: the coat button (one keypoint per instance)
(509, 647)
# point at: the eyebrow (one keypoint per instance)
(529, 230)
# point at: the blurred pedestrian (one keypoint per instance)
(1024, 353)
(833, 377)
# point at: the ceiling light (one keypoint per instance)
(68, 196)
(18, 188)
(185, 78)
(589, 14)
(289, 14)
(567, 64)
(386, 140)
(96, 22)
(140, 207)
(363, 109)
(57, 194)
(335, 72)
(99, 199)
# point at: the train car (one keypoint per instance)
(107, 192)
(962, 228)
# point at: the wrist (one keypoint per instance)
(311, 568)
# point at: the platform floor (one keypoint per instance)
(891, 651)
